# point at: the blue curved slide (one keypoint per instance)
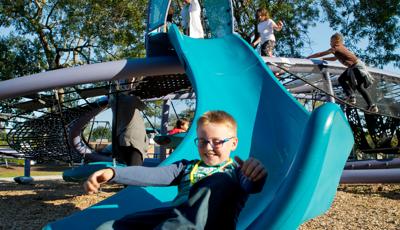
(304, 153)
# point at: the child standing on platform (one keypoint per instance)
(265, 32)
(355, 77)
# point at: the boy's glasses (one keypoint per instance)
(215, 143)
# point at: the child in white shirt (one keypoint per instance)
(265, 28)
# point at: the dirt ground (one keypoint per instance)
(33, 206)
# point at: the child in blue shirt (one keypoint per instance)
(211, 191)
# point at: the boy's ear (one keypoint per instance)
(235, 142)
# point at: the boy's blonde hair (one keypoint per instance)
(263, 12)
(337, 38)
(218, 117)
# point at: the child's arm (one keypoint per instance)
(94, 181)
(135, 175)
(257, 40)
(320, 54)
(330, 59)
(278, 26)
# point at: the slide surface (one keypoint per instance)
(304, 153)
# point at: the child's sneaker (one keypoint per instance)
(352, 100)
(373, 109)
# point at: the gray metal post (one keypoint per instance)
(27, 167)
(328, 83)
(164, 126)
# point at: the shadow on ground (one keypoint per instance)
(33, 206)
(390, 191)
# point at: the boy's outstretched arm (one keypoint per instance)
(92, 184)
(329, 59)
(136, 175)
(320, 54)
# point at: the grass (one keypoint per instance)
(36, 170)
(15, 161)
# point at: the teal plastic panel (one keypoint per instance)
(157, 13)
(218, 17)
(304, 154)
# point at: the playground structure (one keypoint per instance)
(263, 138)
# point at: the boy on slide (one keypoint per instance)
(211, 191)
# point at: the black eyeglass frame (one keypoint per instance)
(215, 144)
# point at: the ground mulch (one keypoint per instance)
(33, 206)
(361, 207)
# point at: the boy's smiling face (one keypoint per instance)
(223, 141)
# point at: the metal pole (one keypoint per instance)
(91, 130)
(328, 83)
(114, 138)
(64, 125)
(27, 167)
(164, 127)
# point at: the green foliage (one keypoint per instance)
(3, 137)
(101, 132)
(72, 32)
(376, 23)
(153, 108)
(22, 53)
(187, 113)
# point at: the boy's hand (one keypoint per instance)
(252, 168)
(93, 183)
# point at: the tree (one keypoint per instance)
(23, 53)
(374, 23)
(101, 132)
(3, 135)
(153, 111)
(71, 32)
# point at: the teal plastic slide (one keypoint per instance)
(304, 153)
(170, 141)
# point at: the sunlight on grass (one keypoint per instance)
(19, 171)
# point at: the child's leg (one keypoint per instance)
(360, 87)
(130, 155)
(345, 82)
(270, 48)
(196, 207)
(267, 48)
(263, 49)
(145, 220)
(224, 205)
